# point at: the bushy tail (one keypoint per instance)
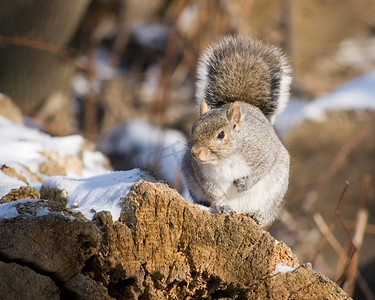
(244, 69)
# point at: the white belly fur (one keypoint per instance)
(260, 197)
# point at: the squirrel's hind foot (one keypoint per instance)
(223, 209)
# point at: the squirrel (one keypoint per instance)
(236, 163)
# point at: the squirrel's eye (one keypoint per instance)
(221, 135)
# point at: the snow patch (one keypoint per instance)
(8, 210)
(94, 194)
(358, 94)
(152, 35)
(94, 163)
(22, 148)
(43, 211)
(281, 268)
(8, 183)
(357, 53)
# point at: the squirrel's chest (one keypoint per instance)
(223, 174)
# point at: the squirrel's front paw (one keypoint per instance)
(241, 184)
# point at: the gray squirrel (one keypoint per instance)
(235, 161)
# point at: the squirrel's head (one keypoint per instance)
(214, 135)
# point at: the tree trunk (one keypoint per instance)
(31, 34)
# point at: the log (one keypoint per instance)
(161, 247)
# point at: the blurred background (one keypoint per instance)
(121, 73)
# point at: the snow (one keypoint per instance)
(104, 71)
(94, 163)
(80, 85)
(42, 212)
(95, 189)
(357, 53)
(281, 268)
(8, 183)
(358, 94)
(148, 147)
(98, 193)
(22, 148)
(151, 35)
(8, 210)
(69, 145)
(187, 18)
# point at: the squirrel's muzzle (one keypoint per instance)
(199, 153)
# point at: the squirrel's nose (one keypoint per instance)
(198, 153)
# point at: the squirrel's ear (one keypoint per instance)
(203, 108)
(234, 115)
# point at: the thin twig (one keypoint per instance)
(333, 222)
(343, 261)
(353, 248)
(324, 229)
(39, 45)
(362, 218)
